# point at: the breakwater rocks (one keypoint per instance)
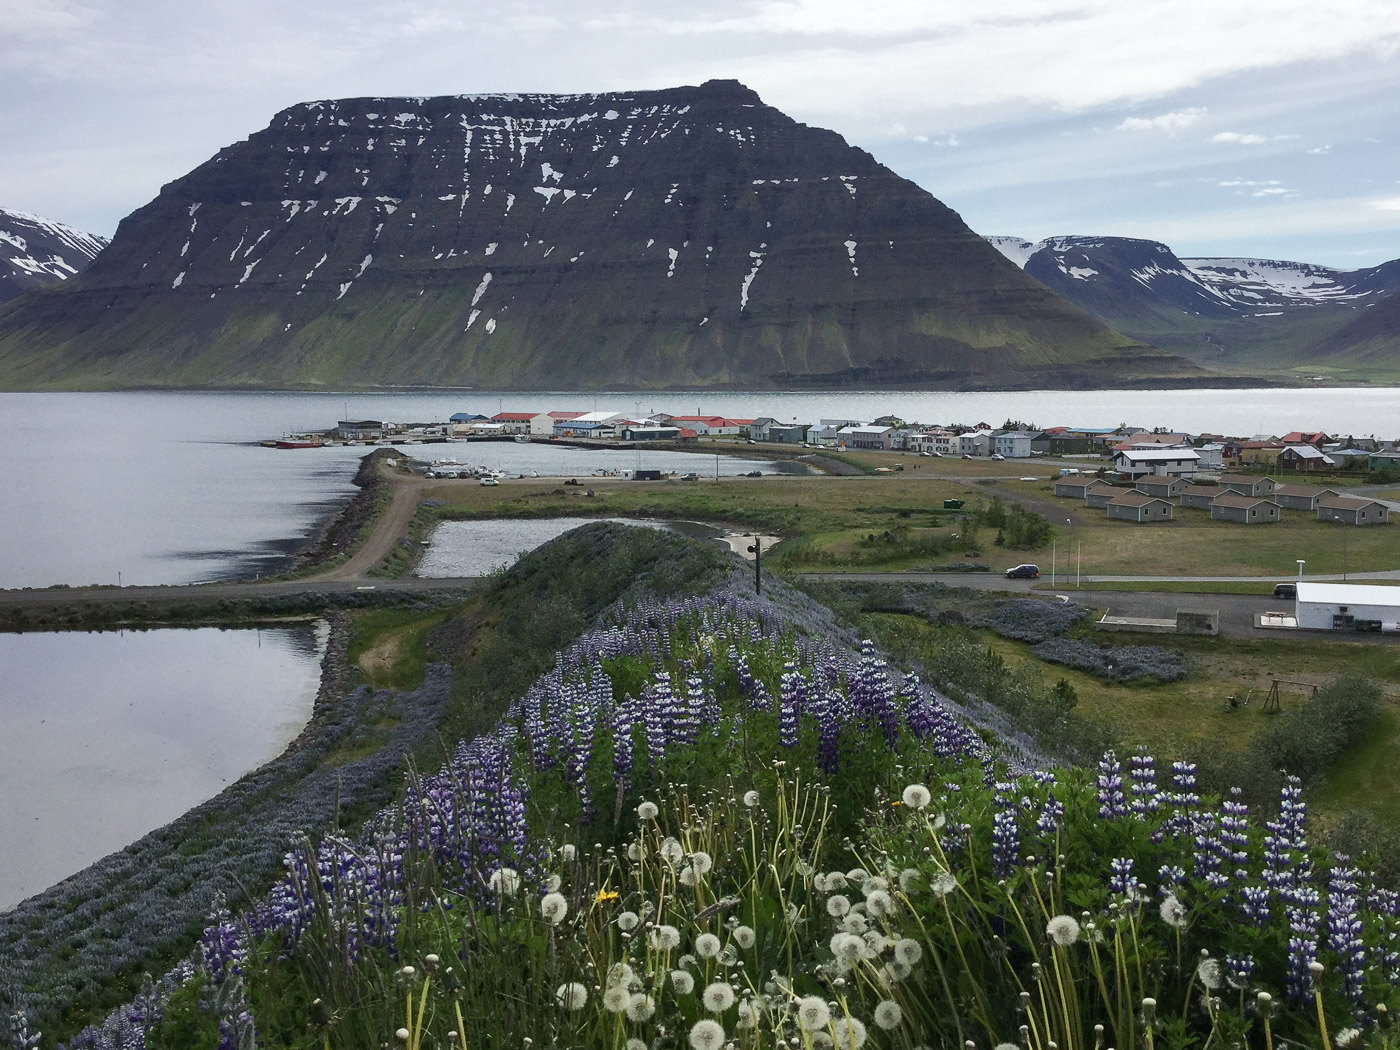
(337, 536)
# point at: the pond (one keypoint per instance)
(110, 735)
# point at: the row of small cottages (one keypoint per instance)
(1244, 499)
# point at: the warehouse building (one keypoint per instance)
(1347, 607)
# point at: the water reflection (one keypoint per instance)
(109, 735)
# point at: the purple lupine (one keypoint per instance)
(1254, 903)
(1006, 841)
(1120, 879)
(1234, 835)
(1170, 878)
(1300, 908)
(1112, 802)
(622, 743)
(1239, 969)
(792, 699)
(1142, 784)
(1052, 816)
(1344, 929)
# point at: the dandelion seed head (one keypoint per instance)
(879, 903)
(682, 982)
(707, 946)
(1173, 912)
(672, 852)
(745, 937)
(568, 851)
(874, 884)
(855, 923)
(1208, 970)
(505, 881)
(916, 796)
(1063, 930)
(848, 1033)
(635, 1044)
(717, 997)
(888, 1015)
(706, 1035)
(1347, 1037)
(666, 938)
(813, 1013)
(701, 862)
(616, 998)
(571, 995)
(627, 921)
(837, 905)
(554, 907)
(640, 1007)
(647, 810)
(943, 884)
(835, 880)
(751, 799)
(402, 1035)
(748, 1015)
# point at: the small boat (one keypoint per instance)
(299, 444)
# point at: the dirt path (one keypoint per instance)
(389, 527)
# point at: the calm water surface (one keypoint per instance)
(109, 735)
(172, 487)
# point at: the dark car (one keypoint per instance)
(1285, 590)
(1023, 572)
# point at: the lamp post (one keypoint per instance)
(1301, 563)
(756, 549)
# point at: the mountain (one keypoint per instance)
(35, 252)
(1231, 313)
(682, 237)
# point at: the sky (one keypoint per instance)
(1259, 128)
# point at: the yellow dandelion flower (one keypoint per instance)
(605, 896)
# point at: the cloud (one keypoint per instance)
(1171, 123)
(1269, 191)
(1243, 140)
(1387, 204)
(1249, 182)
(1320, 150)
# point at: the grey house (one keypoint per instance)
(1098, 497)
(1249, 510)
(1078, 488)
(1302, 497)
(1161, 487)
(1136, 506)
(1200, 497)
(1249, 485)
(1352, 511)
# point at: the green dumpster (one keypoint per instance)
(952, 504)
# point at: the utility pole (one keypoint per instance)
(756, 550)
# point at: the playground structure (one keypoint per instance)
(1272, 703)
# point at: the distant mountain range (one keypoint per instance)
(1232, 313)
(691, 237)
(35, 252)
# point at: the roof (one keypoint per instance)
(1303, 490)
(565, 415)
(1242, 479)
(1347, 503)
(1349, 594)
(1135, 499)
(868, 429)
(1160, 480)
(1082, 482)
(1239, 501)
(1307, 452)
(514, 417)
(1156, 455)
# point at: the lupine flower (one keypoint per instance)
(1112, 802)
(1120, 879)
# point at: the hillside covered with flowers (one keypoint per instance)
(723, 821)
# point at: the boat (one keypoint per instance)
(299, 444)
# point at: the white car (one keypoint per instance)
(998, 456)
(488, 480)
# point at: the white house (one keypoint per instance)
(1013, 444)
(1211, 456)
(525, 422)
(1165, 462)
(870, 436)
(1347, 607)
(975, 443)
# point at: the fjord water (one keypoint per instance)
(171, 487)
(109, 735)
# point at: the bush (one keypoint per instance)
(1124, 663)
(1031, 620)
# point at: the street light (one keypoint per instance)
(755, 549)
(1301, 563)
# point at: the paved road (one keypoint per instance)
(212, 592)
(1237, 611)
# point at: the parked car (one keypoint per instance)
(1285, 590)
(692, 476)
(998, 456)
(489, 481)
(1024, 571)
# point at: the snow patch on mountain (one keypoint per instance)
(35, 251)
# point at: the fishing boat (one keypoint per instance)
(290, 443)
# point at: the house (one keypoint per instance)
(758, 428)
(1136, 506)
(1347, 607)
(465, 418)
(787, 433)
(650, 432)
(1387, 460)
(1251, 510)
(1013, 444)
(870, 436)
(1249, 485)
(1301, 497)
(1260, 453)
(1300, 437)
(1352, 511)
(588, 425)
(1303, 457)
(1211, 456)
(975, 443)
(1349, 458)
(485, 428)
(524, 422)
(709, 426)
(1161, 487)
(1061, 441)
(1200, 497)
(361, 429)
(1150, 441)
(1075, 488)
(1097, 497)
(1164, 462)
